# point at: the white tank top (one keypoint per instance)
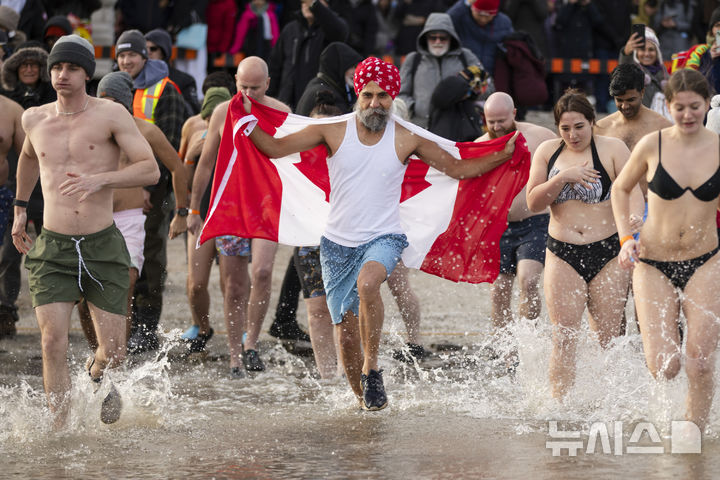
(365, 188)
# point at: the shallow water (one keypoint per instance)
(457, 415)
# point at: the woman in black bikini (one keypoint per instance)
(676, 262)
(573, 177)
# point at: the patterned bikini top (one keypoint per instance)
(598, 191)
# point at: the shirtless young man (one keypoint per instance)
(74, 146)
(11, 136)
(252, 80)
(363, 239)
(633, 120)
(522, 246)
(128, 202)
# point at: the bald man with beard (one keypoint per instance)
(522, 246)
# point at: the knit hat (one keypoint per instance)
(9, 18)
(213, 97)
(372, 69)
(714, 18)
(73, 49)
(133, 41)
(487, 6)
(57, 26)
(162, 39)
(117, 85)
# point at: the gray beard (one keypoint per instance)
(374, 119)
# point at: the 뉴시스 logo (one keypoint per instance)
(685, 437)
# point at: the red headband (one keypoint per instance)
(372, 69)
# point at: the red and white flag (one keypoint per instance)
(453, 226)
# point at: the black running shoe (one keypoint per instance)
(197, 344)
(237, 373)
(252, 361)
(410, 353)
(142, 341)
(374, 397)
(290, 331)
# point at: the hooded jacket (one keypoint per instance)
(295, 59)
(27, 95)
(170, 110)
(334, 62)
(416, 88)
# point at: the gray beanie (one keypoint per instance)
(73, 49)
(117, 85)
(162, 39)
(9, 18)
(133, 41)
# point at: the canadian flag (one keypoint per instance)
(453, 226)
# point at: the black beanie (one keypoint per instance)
(73, 49)
(162, 39)
(131, 40)
(714, 18)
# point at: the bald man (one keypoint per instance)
(522, 246)
(252, 80)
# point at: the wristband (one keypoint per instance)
(19, 203)
(625, 239)
(193, 212)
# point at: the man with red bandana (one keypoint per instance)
(363, 239)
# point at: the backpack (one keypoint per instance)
(520, 70)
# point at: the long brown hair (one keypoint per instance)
(687, 80)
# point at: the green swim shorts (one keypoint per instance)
(66, 268)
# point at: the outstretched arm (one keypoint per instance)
(306, 139)
(439, 159)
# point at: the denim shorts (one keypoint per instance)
(341, 267)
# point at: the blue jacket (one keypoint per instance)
(483, 41)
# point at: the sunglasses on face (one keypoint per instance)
(153, 49)
(438, 38)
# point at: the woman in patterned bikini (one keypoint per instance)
(573, 176)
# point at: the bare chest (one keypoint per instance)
(62, 143)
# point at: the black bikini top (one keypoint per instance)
(665, 187)
(598, 191)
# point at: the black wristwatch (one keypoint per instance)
(182, 212)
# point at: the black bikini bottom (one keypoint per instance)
(679, 273)
(587, 259)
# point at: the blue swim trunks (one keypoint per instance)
(341, 267)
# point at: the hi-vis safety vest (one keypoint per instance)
(146, 100)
